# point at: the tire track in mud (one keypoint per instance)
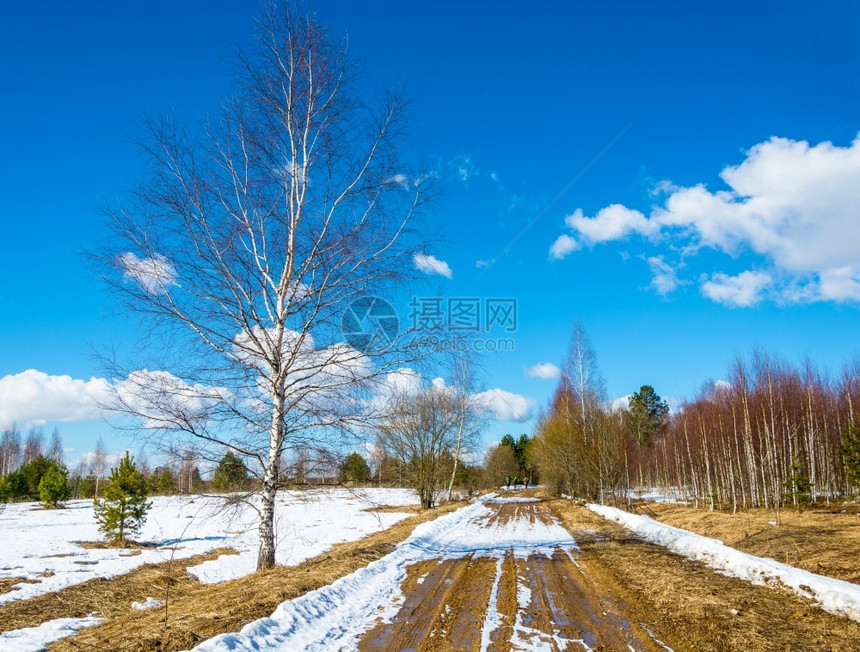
(444, 602)
(504, 600)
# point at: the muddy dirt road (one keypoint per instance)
(504, 597)
(514, 572)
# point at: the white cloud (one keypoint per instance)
(34, 397)
(399, 179)
(323, 375)
(481, 264)
(507, 406)
(464, 168)
(840, 283)
(792, 204)
(152, 274)
(620, 403)
(160, 399)
(431, 265)
(562, 246)
(743, 290)
(292, 172)
(405, 383)
(544, 370)
(400, 383)
(664, 277)
(614, 222)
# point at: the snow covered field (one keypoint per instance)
(333, 617)
(44, 545)
(835, 596)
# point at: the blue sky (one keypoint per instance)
(509, 105)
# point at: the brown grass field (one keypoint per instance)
(823, 540)
(689, 606)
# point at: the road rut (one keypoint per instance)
(505, 598)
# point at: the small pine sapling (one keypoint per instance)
(799, 488)
(850, 449)
(122, 510)
(54, 486)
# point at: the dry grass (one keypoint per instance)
(197, 611)
(689, 606)
(823, 540)
(6, 583)
(117, 545)
(392, 509)
(109, 597)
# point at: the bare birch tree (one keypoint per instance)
(56, 446)
(10, 450)
(579, 446)
(98, 463)
(421, 431)
(34, 445)
(471, 413)
(246, 245)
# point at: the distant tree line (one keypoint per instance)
(772, 435)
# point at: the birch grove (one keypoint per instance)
(772, 435)
(747, 442)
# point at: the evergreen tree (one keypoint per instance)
(646, 415)
(54, 486)
(354, 468)
(24, 483)
(161, 482)
(123, 509)
(389, 471)
(519, 449)
(87, 487)
(32, 473)
(850, 449)
(231, 474)
(12, 486)
(798, 487)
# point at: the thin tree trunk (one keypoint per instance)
(266, 558)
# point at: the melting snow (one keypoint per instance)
(835, 596)
(334, 616)
(36, 542)
(36, 638)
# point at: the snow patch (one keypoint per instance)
(149, 603)
(32, 639)
(834, 596)
(492, 618)
(496, 499)
(38, 541)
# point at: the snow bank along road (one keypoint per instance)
(835, 596)
(498, 574)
